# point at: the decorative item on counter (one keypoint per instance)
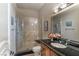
(58, 35)
(53, 36)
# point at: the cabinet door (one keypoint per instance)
(43, 50)
(46, 51)
(53, 53)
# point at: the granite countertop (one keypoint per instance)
(69, 51)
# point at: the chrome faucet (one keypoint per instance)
(67, 40)
(60, 41)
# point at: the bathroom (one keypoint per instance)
(32, 28)
(34, 21)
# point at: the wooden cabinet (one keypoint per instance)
(46, 51)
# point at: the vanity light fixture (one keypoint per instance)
(63, 5)
(56, 9)
(59, 7)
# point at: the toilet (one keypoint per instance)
(37, 50)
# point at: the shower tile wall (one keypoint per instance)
(31, 32)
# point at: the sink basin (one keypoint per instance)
(58, 45)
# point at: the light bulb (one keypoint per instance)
(35, 22)
(63, 5)
(32, 24)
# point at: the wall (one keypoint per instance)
(45, 14)
(71, 33)
(3, 28)
(26, 12)
(31, 31)
(3, 21)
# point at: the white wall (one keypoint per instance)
(4, 48)
(71, 33)
(4, 21)
(27, 12)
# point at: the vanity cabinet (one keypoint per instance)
(46, 51)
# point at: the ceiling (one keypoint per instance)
(34, 6)
(24, 9)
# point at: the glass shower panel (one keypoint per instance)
(26, 33)
(19, 35)
(30, 31)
